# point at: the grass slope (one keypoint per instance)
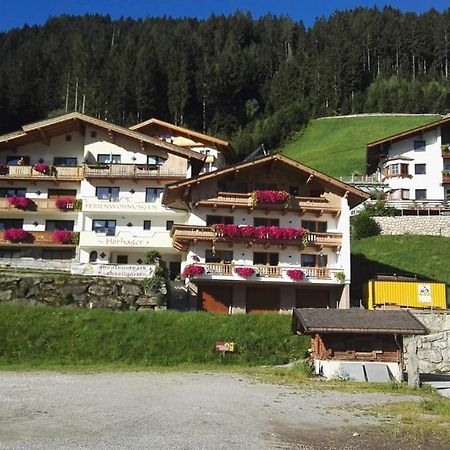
(54, 337)
(337, 146)
(424, 256)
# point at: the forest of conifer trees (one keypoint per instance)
(248, 80)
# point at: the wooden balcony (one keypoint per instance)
(185, 235)
(39, 238)
(232, 200)
(222, 269)
(36, 204)
(132, 171)
(28, 173)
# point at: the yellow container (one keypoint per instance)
(405, 294)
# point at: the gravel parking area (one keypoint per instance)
(178, 411)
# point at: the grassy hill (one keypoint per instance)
(423, 256)
(337, 145)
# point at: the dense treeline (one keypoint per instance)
(253, 81)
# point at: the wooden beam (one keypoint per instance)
(309, 178)
(111, 136)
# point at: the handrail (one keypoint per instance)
(104, 170)
(28, 172)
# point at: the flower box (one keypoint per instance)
(244, 272)
(193, 270)
(270, 197)
(65, 203)
(17, 235)
(62, 236)
(295, 274)
(20, 202)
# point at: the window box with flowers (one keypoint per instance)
(270, 198)
(17, 235)
(23, 203)
(42, 168)
(65, 204)
(244, 272)
(295, 274)
(63, 236)
(193, 270)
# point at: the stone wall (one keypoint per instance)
(78, 292)
(435, 321)
(429, 225)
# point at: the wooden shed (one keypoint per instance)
(356, 335)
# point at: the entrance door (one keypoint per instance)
(174, 269)
(263, 300)
(216, 299)
(312, 298)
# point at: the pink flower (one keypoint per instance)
(17, 235)
(64, 203)
(19, 202)
(247, 231)
(42, 168)
(271, 196)
(244, 272)
(193, 270)
(62, 236)
(296, 274)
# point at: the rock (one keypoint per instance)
(131, 290)
(5, 295)
(435, 356)
(146, 301)
(101, 291)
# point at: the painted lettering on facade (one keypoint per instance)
(114, 270)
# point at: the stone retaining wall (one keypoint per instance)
(429, 225)
(78, 292)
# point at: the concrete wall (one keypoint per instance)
(427, 225)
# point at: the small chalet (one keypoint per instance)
(357, 343)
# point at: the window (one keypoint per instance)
(211, 220)
(59, 193)
(107, 193)
(12, 192)
(153, 194)
(219, 256)
(14, 160)
(156, 160)
(169, 225)
(421, 194)
(419, 146)
(420, 169)
(108, 158)
(5, 224)
(271, 259)
(316, 193)
(68, 137)
(122, 259)
(64, 162)
(315, 226)
(93, 256)
(397, 170)
(147, 224)
(446, 165)
(104, 226)
(52, 225)
(58, 254)
(404, 194)
(265, 221)
(309, 260)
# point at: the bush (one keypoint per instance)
(362, 226)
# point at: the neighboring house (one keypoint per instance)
(75, 173)
(244, 247)
(415, 164)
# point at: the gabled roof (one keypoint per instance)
(409, 133)
(355, 196)
(72, 121)
(321, 320)
(221, 145)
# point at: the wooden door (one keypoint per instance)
(262, 300)
(312, 298)
(62, 193)
(216, 299)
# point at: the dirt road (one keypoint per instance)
(179, 411)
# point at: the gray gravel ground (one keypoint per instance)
(178, 411)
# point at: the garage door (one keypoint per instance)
(216, 298)
(263, 300)
(312, 298)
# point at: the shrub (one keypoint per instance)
(153, 285)
(17, 235)
(362, 226)
(152, 257)
(63, 236)
(193, 270)
(295, 274)
(244, 272)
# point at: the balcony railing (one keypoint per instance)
(38, 238)
(265, 271)
(28, 173)
(184, 235)
(36, 204)
(131, 171)
(318, 205)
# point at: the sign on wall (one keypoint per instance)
(424, 292)
(114, 270)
